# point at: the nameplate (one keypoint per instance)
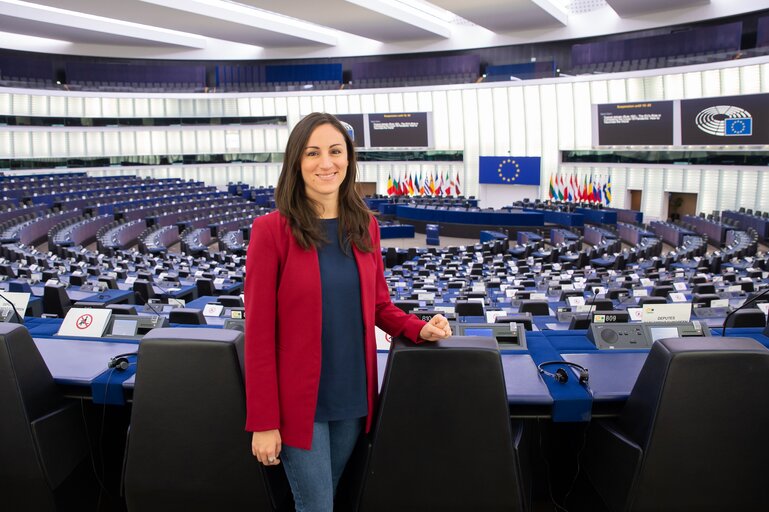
(719, 303)
(568, 287)
(213, 310)
(538, 296)
(677, 297)
(640, 292)
(130, 279)
(491, 316)
(599, 290)
(735, 288)
(667, 312)
(646, 282)
(611, 318)
(85, 322)
(425, 296)
(584, 308)
(576, 301)
(679, 286)
(382, 339)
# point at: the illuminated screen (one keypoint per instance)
(398, 130)
(478, 332)
(635, 124)
(659, 333)
(122, 327)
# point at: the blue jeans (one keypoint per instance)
(314, 474)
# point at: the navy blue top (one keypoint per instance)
(342, 390)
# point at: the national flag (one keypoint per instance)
(574, 188)
(608, 190)
(559, 180)
(447, 189)
(552, 193)
(439, 184)
(565, 188)
(457, 191)
(410, 185)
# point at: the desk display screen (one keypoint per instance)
(122, 327)
(478, 332)
(659, 333)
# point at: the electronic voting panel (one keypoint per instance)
(619, 336)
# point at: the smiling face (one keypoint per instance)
(324, 167)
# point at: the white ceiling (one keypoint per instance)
(284, 29)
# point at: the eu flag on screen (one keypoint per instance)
(738, 126)
(509, 170)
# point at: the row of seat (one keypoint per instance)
(646, 458)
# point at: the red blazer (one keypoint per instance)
(283, 328)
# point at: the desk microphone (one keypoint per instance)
(745, 304)
(13, 308)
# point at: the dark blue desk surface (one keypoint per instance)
(79, 362)
(612, 373)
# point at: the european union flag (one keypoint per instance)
(509, 170)
(738, 126)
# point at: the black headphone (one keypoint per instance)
(562, 375)
(120, 362)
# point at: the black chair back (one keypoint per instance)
(55, 300)
(143, 290)
(230, 301)
(186, 316)
(187, 448)
(747, 317)
(692, 435)
(42, 436)
(419, 433)
(205, 286)
(535, 307)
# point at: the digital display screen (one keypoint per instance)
(725, 120)
(659, 333)
(355, 126)
(398, 130)
(121, 327)
(647, 123)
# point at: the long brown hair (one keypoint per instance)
(301, 211)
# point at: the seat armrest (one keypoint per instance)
(608, 447)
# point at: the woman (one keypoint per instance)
(314, 291)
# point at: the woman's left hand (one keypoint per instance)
(436, 329)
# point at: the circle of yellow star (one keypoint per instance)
(502, 165)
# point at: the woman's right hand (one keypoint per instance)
(266, 447)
